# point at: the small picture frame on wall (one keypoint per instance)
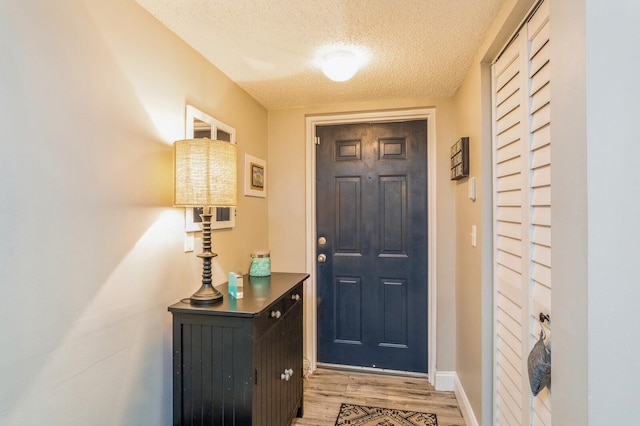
(460, 159)
(255, 176)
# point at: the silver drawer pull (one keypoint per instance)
(286, 375)
(295, 297)
(276, 314)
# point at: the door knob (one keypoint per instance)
(322, 258)
(322, 241)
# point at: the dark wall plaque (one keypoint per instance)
(460, 159)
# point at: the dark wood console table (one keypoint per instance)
(240, 362)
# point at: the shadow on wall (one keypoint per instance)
(89, 244)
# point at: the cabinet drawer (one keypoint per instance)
(277, 311)
(292, 297)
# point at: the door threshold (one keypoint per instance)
(381, 371)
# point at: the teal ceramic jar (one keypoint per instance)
(260, 264)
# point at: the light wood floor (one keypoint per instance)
(326, 389)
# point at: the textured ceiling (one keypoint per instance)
(271, 47)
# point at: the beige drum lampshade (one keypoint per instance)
(205, 173)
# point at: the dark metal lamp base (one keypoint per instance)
(206, 295)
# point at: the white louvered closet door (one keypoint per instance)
(522, 226)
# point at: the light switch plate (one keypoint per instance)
(472, 188)
(188, 242)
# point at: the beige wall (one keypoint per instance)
(570, 377)
(595, 185)
(92, 94)
(468, 213)
(613, 210)
(287, 214)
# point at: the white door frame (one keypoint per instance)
(311, 325)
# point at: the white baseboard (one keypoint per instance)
(445, 380)
(463, 403)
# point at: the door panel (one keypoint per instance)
(395, 302)
(371, 190)
(522, 218)
(393, 220)
(348, 214)
(348, 310)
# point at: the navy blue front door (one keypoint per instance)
(371, 203)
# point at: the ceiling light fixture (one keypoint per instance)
(340, 65)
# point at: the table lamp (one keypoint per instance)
(205, 175)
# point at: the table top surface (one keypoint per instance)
(258, 294)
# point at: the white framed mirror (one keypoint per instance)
(202, 125)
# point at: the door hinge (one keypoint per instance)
(256, 376)
(317, 140)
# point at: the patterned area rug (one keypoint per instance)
(360, 415)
